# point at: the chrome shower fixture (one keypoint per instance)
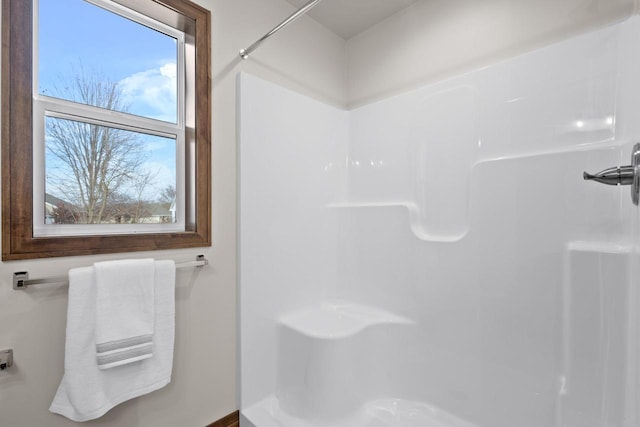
(621, 175)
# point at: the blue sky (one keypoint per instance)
(75, 30)
(75, 33)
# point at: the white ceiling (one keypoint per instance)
(347, 18)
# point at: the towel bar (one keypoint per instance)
(21, 278)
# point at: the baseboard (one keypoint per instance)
(231, 420)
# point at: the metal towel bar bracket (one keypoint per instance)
(21, 278)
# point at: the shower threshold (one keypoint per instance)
(377, 413)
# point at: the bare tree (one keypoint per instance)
(168, 195)
(140, 184)
(65, 214)
(96, 162)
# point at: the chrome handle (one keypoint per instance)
(621, 175)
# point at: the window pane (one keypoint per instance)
(85, 51)
(103, 175)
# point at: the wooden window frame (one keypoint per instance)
(18, 241)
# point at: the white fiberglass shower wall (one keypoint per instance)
(435, 258)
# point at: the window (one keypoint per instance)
(105, 126)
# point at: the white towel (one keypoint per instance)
(87, 392)
(124, 311)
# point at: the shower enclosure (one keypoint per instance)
(436, 258)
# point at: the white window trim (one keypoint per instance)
(44, 106)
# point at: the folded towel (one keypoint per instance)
(124, 311)
(87, 392)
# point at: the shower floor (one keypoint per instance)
(377, 413)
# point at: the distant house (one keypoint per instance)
(51, 203)
(172, 209)
(158, 213)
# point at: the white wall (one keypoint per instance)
(204, 381)
(434, 39)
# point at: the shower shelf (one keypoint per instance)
(618, 247)
(418, 228)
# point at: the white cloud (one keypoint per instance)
(152, 93)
